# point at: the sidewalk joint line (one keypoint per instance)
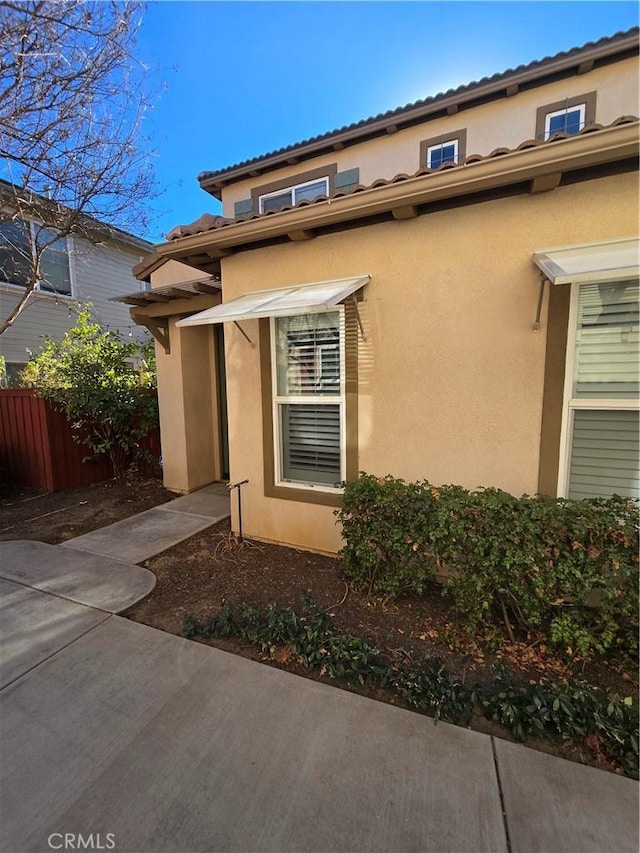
(214, 519)
(62, 648)
(502, 803)
(62, 597)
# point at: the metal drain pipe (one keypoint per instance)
(237, 486)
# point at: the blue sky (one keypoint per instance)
(245, 78)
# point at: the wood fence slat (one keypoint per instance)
(37, 447)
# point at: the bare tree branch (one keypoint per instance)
(73, 98)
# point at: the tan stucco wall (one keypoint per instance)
(174, 272)
(451, 372)
(188, 409)
(503, 123)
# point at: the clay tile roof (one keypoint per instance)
(538, 67)
(208, 222)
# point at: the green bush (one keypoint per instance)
(539, 563)
(110, 407)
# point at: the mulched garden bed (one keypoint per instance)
(198, 575)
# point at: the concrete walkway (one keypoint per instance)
(109, 726)
(142, 536)
(144, 742)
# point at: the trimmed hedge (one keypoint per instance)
(537, 562)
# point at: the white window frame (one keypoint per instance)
(42, 291)
(581, 108)
(292, 191)
(571, 404)
(307, 399)
(439, 146)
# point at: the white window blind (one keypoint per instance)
(607, 341)
(309, 397)
(605, 458)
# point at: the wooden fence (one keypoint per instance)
(37, 447)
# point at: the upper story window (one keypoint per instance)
(447, 152)
(568, 116)
(568, 120)
(294, 194)
(323, 180)
(20, 242)
(446, 148)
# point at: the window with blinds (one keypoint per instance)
(309, 398)
(604, 454)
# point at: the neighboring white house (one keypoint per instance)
(74, 271)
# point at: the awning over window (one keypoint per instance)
(298, 299)
(612, 260)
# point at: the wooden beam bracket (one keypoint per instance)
(159, 328)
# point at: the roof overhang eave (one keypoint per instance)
(598, 148)
(213, 182)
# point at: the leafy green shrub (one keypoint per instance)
(432, 688)
(536, 562)
(571, 711)
(386, 526)
(310, 639)
(110, 407)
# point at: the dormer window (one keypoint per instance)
(569, 116)
(446, 148)
(306, 191)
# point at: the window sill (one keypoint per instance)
(309, 495)
(5, 287)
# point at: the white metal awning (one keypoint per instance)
(611, 260)
(296, 299)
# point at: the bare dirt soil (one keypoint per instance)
(198, 575)
(212, 567)
(55, 517)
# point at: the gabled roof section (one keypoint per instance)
(577, 60)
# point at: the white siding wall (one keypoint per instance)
(98, 272)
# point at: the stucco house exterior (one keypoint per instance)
(75, 270)
(446, 291)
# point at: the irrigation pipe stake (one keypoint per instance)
(238, 486)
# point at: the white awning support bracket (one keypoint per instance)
(243, 333)
(537, 324)
(357, 310)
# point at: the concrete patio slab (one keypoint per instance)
(559, 806)
(90, 579)
(33, 626)
(142, 536)
(211, 502)
(173, 746)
